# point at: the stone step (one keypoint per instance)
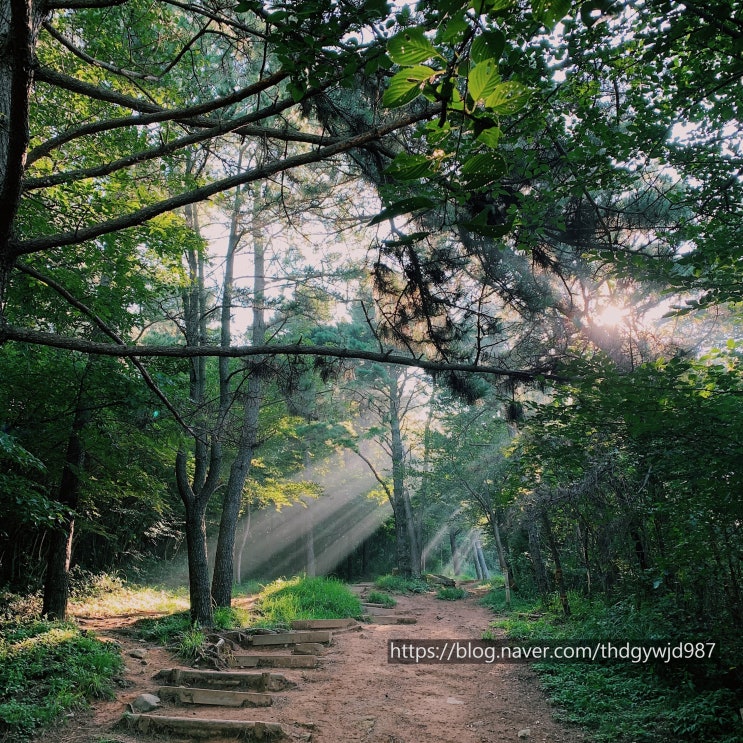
(313, 624)
(198, 728)
(230, 681)
(214, 697)
(292, 638)
(274, 660)
(391, 619)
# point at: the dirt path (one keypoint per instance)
(356, 695)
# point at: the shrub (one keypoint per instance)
(447, 593)
(380, 597)
(48, 669)
(400, 584)
(282, 601)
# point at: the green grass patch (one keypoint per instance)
(401, 584)
(48, 669)
(282, 601)
(448, 593)
(623, 702)
(107, 597)
(380, 597)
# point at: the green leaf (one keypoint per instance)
(407, 85)
(493, 6)
(488, 45)
(404, 206)
(409, 167)
(410, 47)
(550, 12)
(490, 137)
(508, 98)
(483, 80)
(454, 31)
(591, 11)
(481, 169)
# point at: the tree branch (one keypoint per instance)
(80, 4)
(240, 126)
(146, 213)
(188, 114)
(185, 115)
(67, 44)
(52, 340)
(104, 328)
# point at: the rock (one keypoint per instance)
(525, 733)
(146, 703)
(138, 653)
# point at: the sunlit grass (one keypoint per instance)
(282, 601)
(131, 599)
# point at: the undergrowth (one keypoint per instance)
(380, 597)
(401, 584)
(621, 701)
(48, 669)
(282, 601)
(448, 593)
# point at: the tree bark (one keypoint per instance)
(241, 548)
(559, 578)
(480, 557)
(535, 553)
(59, 556)
(248, 442)
(456, 558)
(309, 541)
(404, 535)
(207, 451)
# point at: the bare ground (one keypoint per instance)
(355, 694)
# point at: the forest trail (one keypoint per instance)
(354, 694)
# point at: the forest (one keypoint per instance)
(353, 287)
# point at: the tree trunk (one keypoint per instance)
(456, 561)
(224, 557)
(480, 557)
(207, 460)
(198, 562)
(59, 556)
(400, 506)
(309, 542)
(535, 554)
(475, 561)
(502, 561)
(198, 566)
(559, 579)
(241, 548)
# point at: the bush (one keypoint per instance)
(282, 601)
(642, 703)
(400, 584)
(447, 593)
(48, 669)
(380, 597)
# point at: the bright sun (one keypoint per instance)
(611, 315)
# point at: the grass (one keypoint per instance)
(447, 593)
(401, 584)
(627, 702)
(48, 669)
(277, 604)
(282, 601)
(380, 597)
